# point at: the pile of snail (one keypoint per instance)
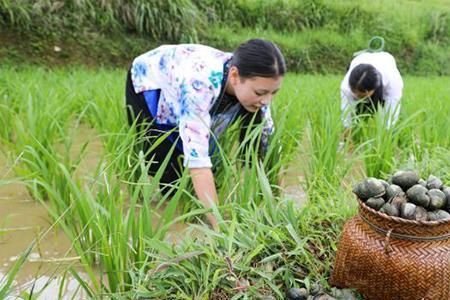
(316, 292)
(407, 196)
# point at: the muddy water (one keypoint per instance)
(291, 184)
(23, 220)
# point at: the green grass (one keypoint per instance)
(317, 36)
(119, 223)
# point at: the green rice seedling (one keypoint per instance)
(7, 282)
(429, 97)
(288, 249)
(380, 143)
(120, 224)
(326, 165)
(6, 115)
(104, 225)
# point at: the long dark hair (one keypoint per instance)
(262, 58)
(363, 78)
(258, 57)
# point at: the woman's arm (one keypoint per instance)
(392, 94)
(346, 108)
(203, 181)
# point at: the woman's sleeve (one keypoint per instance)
(196, 96)
(392, 94)
(346, 107)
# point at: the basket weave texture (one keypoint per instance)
(386, 257)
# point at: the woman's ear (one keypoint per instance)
(233, 75)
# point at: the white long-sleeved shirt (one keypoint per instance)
(392, 86)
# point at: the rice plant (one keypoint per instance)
(121, 226)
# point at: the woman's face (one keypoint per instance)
(363, 94)
(253, 92)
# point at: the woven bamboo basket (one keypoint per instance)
(386, 257)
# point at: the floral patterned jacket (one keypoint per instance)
(190, 78)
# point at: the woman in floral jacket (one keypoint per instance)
(196, 92)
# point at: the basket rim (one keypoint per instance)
(372, 211)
